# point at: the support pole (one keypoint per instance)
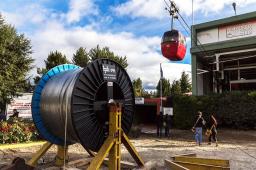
(131, 149)
(115, 131)
(59, 159)
(112, 145)
(33, 161)
(161, 90)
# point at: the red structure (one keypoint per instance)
(155, 101)
(173, 45)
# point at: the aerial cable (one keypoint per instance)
(172, 9)
(192, 39)
(184, 21)
(195, 41)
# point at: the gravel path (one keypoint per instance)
(237, 146)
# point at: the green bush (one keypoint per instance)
(17, 131)
(233, 110)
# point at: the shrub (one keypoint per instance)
(17, 131)
(233, 110)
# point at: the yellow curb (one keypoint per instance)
(20, 145)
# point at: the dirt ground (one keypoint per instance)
(237, 146)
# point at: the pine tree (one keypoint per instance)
(166, 87)
(81, 57)
(175, 88)
(185, 85)
(54, 59)
(96, 53)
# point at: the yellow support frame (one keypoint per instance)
(112, 145)
(61, 153)
(40, 153)
(33, 161)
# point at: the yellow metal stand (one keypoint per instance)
(112, 145)
(59, 156)
(33, 161)
(61, 153)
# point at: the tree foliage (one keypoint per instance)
(15, 62)
(97, 52)
(176, 88)
(81, 57)
(54, 58)
(185, 85)
(166, 87)
(137, 87)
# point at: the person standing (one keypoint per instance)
(167, 126)
(2, 116)
(198, 127)
(15, 114)
(159, 124)
(212, 130)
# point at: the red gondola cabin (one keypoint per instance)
(173, 45)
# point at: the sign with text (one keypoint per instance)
(168, 111)
(228, 32)
(109, 72)
(139, 100)
(22, 104)
(236, 31)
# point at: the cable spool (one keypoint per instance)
(82, 94)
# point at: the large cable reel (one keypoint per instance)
(77, 97)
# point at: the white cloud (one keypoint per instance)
(155, 8)
(143, 58)
(28, 14)
(142, 8)
(79, 9)
(53, 32)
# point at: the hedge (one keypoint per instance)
(233, 110)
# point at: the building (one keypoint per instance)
(223, 55)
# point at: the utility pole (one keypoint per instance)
(161, 89)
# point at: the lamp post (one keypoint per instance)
(234, 7)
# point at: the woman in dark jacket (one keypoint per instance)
(212, 130)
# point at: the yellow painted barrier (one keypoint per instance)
(21, 145)
(207, 161)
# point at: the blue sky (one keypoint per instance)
(131, 28)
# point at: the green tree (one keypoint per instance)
(15, 61)
(81, 57)
(54, 59)
(137, 87)
(185, 85)
(175, 88)
(166, 87)
(96, 53)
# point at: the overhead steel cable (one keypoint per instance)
(189, 29)
(196, 41)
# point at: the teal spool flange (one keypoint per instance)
(35, 107)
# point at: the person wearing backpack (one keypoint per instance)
(212, 132)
